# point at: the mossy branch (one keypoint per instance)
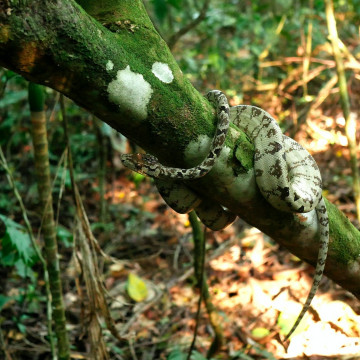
(60, 45)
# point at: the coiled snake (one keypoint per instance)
(286, 174)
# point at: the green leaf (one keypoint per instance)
(136, 288)
(18, 239)
(195, 355)
(138, 178)
(177, 354)
(177, 4)
(24, 270)
(7, 259)
(13, 97)
(117, 350)
(264, 353)
(4, 300)
(241, 355)
(65, 236)
(260, 332)
(160, 8)
(287, 318)
(21, 327)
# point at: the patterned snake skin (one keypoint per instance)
(286, 174)
(149, 165)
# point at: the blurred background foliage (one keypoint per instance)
(230, 48)
(273, 54)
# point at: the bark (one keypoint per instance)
(191, 25)
(58, 44)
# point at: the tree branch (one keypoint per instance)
(130, 80)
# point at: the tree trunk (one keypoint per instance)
(129, 79)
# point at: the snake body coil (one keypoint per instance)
(149, 165)
(286, 174)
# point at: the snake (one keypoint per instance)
(285, 172)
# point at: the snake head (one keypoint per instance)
(141, 163)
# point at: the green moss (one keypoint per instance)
(347, 244)
(113, 11)
(244, 153)
(142, 46)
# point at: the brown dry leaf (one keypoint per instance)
(288, 274)
(15, 335)
(117, 269)
(341, 315)
(78, 356)
(182, 295)
(227, 261)
(151, 205)
(146, 326)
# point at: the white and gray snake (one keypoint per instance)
(286, 174)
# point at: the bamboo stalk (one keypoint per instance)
(42, 169)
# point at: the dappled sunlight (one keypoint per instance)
(322, 339)
(252, 284)
(227, 262)
(254, 302)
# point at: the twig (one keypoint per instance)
(3, 347)
(324, 93)
(141, 310)
(86, 229)
(175, 37)
(297, 59)
(216, 253)
(199, 268)
(63, 158)
(132, 350)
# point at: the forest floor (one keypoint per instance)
(257, 286)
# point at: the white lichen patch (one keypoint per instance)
(197, 150)
(109, 65)
(131, 92)
(162, 72)
(241, 187)
(354, 267)
(308, 218)
(310, 224)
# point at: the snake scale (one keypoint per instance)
(286, 174)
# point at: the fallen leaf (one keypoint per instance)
(136, 288)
